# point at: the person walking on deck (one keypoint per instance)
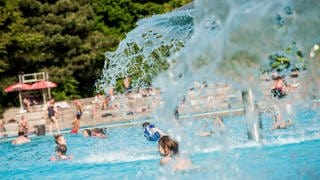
(52, 111)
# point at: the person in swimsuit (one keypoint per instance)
(2, 129)
(278, 89)
(95, 132)
(76, 121)
(23, 125)
(109, 99)
(21, 139)
(27, 103)
(127, 85)
(151, 133)
(128, 93)
(52, 111)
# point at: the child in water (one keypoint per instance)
(169, 149)
(61, 148)
(59, 139)
(151, 132)
(61, 151)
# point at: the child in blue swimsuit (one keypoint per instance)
(151, 132)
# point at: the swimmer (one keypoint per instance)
(59, 139)
(21, 139)
(169, 149)
(151, 132)
(217, 123)
(87, 133)
(204, 133)
(95, 132)
(61, 151)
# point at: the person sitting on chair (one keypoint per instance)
(27, 103)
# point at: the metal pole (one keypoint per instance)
(20, 99)
(252, 116)
(20, 96)
(47, 79)
(44, 98)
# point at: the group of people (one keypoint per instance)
(61, 148)
(52, 115)
(95, 132)
(168, 147)
(106, 101)
(61, 142)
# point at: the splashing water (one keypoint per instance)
(147, 47)
(231, 40)
(219, 41)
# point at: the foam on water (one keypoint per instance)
(117, 157)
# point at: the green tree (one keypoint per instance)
(66, 38)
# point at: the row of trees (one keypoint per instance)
(66, 38)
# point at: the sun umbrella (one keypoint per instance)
(18, 87)
(43, 85)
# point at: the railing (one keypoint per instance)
(33, 77)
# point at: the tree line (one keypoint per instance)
(67, 39)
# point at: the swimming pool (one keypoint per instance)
(283, 154)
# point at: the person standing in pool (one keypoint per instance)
(52, 111)
(76, 121)
(279, 91)
(23, 125)
(152, 133)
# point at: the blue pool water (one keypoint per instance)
(291, 153)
